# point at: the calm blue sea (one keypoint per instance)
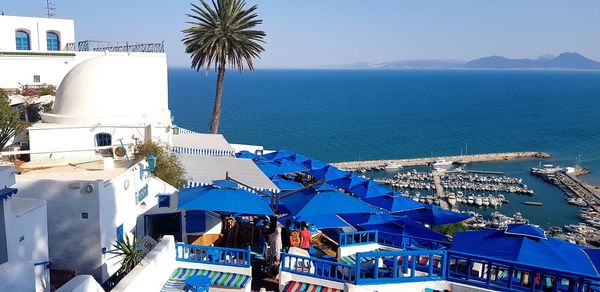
(338, 115)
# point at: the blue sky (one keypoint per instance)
(304, 33)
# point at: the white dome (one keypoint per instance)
(111, 89)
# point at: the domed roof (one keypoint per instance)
(113, 89)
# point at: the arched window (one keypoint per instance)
(22, 38)
(103, 139)
(53, 41)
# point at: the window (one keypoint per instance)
(103, 139)
(164, 201)
(22, 38)
(53, 41)
(36, 78)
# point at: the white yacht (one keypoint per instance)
(478, 200)
(442, 163)
(392, 166)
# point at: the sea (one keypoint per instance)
(341, 115)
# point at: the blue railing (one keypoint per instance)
(504, 275)
(390, 267)
(390, 239)
(223, 256)
(318, 268)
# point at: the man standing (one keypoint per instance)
(304, 237)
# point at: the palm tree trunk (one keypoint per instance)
(216, 116)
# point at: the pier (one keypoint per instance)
(487, 157)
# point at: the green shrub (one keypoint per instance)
(168, 166)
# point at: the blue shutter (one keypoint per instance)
(120, 232)
(164, 201)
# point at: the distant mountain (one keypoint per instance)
(562, 61)
(410, 64)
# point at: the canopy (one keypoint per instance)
(223, 196)
(246, 154)
(403, 225)
(324, 187)
(394, 203)
(369, 189)
(311, 203)
(287, 185)
(369, 219)
(274, 168)
(314, 164)
(434, 215)
(329, 173)
(348, 182)
(279, 154)
(525, 230)
(550, 253)
(319, 221)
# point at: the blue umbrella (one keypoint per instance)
(348, 182)
(324, 187)
(280, 154)
(329, 173)
(403, 225)
(381, 217)
(314, 164)
(246, 154)
(369, 189)
(311, 203)
(319, 221)
(287, 185)
(394, 203)
(298, 158)
(223, 196)
(269, 169)
(434, 215)
(548, 253)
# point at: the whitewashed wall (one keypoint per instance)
(37, 28)
(73, 241)
(81, 283)
(154, 271)
(17, 276)
(27, 235)
(55, 137)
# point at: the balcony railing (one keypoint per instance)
(318, 268)
(126, 47)
(390, 239)
(213, 255)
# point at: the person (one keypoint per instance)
(286, 234)
(275, 249)
(305, 236)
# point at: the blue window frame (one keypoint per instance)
(53, 41)
(103, 139)
(22, 38)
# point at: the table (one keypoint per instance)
(197, 284)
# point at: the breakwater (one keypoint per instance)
(486, 157)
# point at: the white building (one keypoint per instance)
(106, 101)
(36, 51)
(23, 239)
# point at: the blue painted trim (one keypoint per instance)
(46, 264)
(7, 193)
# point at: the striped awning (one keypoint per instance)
(202, 151)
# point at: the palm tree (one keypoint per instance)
(128, 251)
(222, 34)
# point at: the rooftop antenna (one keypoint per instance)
(50, 8)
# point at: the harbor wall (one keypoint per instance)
(353, 165)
